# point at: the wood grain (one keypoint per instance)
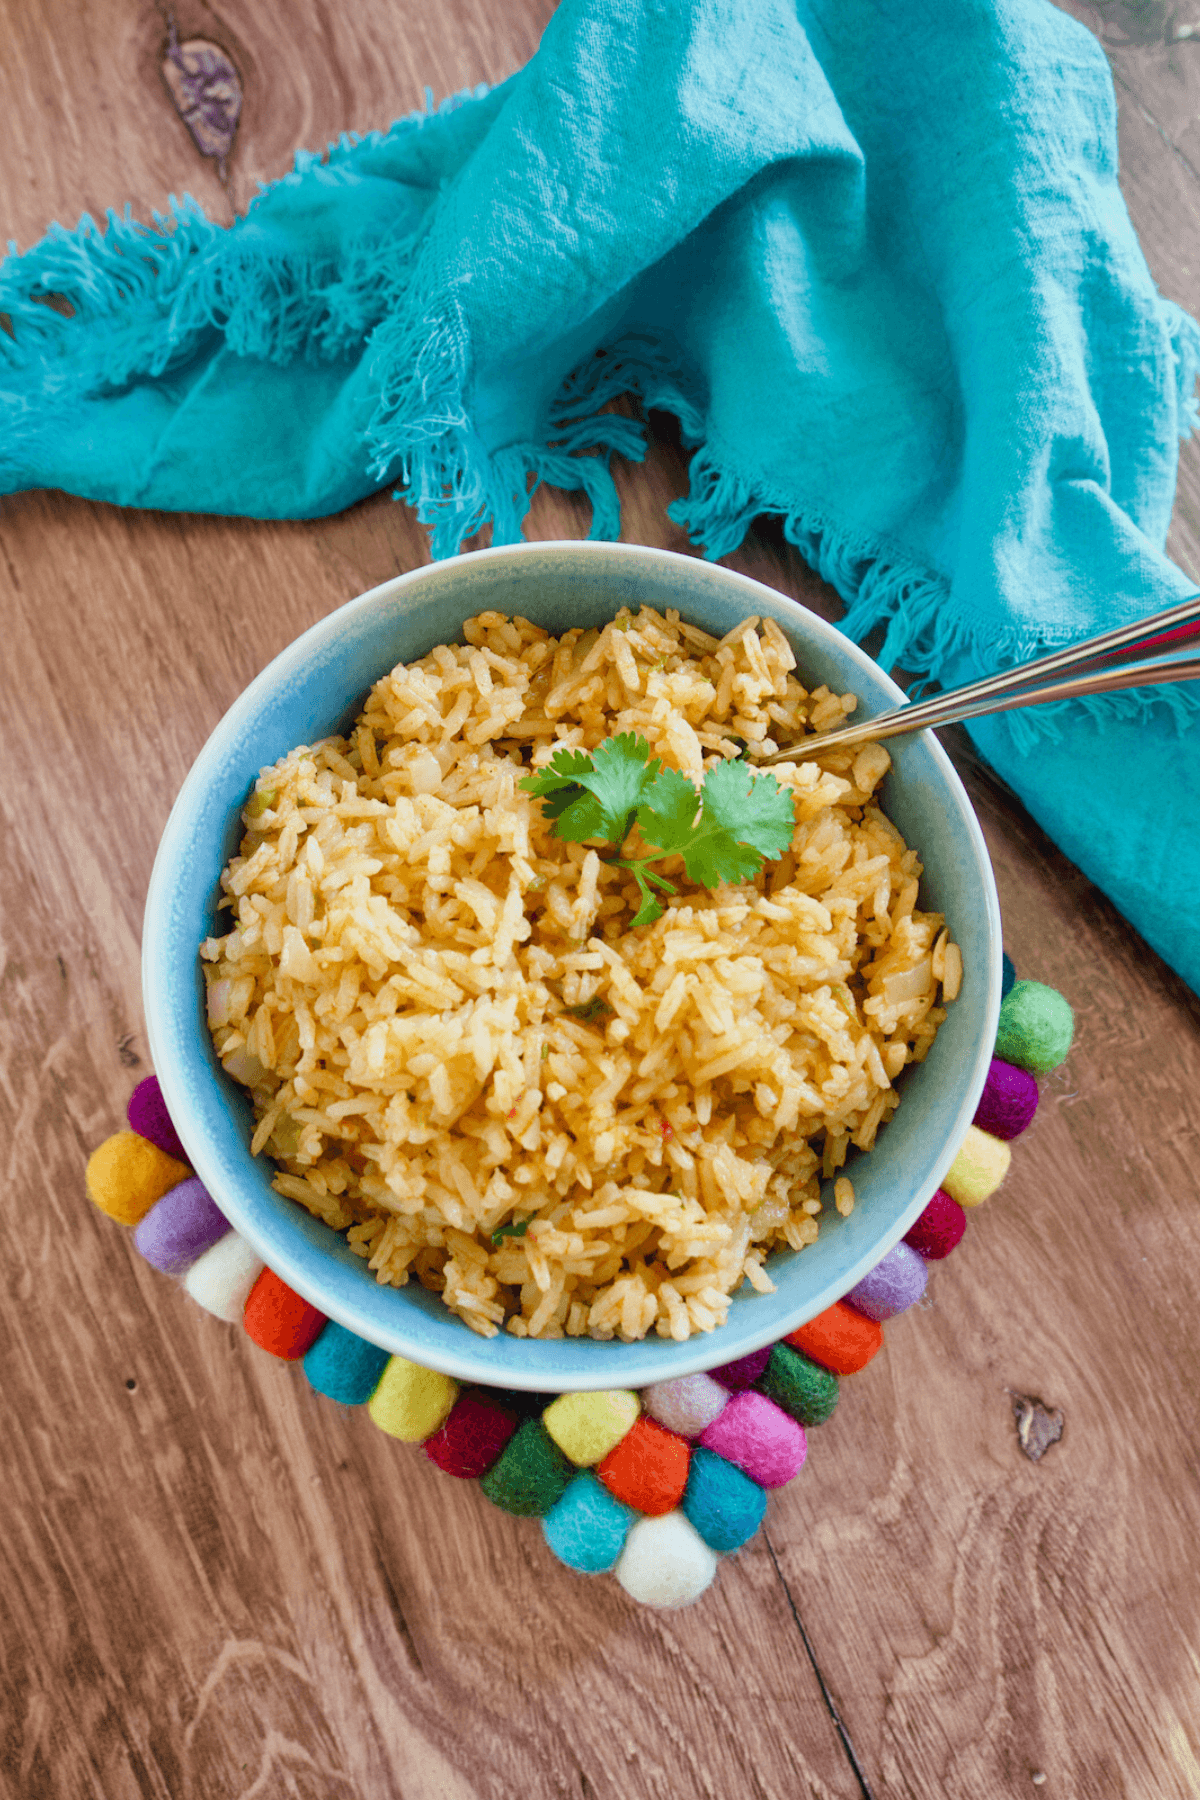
(213, 1582)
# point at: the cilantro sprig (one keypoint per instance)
(725, 832)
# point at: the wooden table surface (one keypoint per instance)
(217, 1583)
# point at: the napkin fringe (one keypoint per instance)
(422, 429)
(123, 279)
(912, 606)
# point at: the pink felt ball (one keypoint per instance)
(1008, 1102)
(938, 1229)
(760, 1438)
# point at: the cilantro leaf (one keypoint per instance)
(564, 766)
(651, 907)
(557, 784)
(744, 818)
(587, 1010)
(669, 810)
(581, 818)
(622, 772)
(515, 1230)
(595, 796)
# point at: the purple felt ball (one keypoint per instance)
(744, 1372)
(1008, 1102)
(148, 1116)
(893, 1285)
(180, 1227)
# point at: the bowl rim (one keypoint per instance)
(468, 1361)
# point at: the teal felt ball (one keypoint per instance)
(721, 1502)
(587, 1528)
(1008, 976)
(1036, 1028)
(343, 1366)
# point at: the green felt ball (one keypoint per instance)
(531, 1475)
(802, 1388)
(1036, 1028)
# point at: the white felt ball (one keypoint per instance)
(665, 1562)
(688, 1405)
(222, 1278)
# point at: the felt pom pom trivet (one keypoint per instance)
(654, 1487)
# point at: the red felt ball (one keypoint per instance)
(839, 1339)
(279, 1320)
(648, 1470)
(470, 1441)
(939, 1227)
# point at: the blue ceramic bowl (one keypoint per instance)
(314, 689)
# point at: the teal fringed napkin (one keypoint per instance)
(872, 255)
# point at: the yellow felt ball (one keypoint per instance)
(587, 1426)
(978, 1169)
(128, 1173)
(411, 1403)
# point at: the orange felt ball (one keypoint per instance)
(279, 1320)
(648, 1470)
(839, 1339)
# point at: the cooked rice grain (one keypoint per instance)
(461, 1055)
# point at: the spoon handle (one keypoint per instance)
(1097, 666)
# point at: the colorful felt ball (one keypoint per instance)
(722, 1502)
(180, 1227)
(744, 1372)
(343, 1366)
(805, 1391)
(760, 1438)
(148, 1116)
(222, 1279)
(939, 1227)
(895, 1283)
(1036, 1027)
(587, 1527)
(587, 1426)
(280, 1320)
(473, 1436)
(531, 1473)
(1008, 1102)
(665, 1562)
(978, 1169)
(648, 1469)
(126, 1174)
(1008, 976)
(839, 1339)
(687, 1404)
(410, 1402)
